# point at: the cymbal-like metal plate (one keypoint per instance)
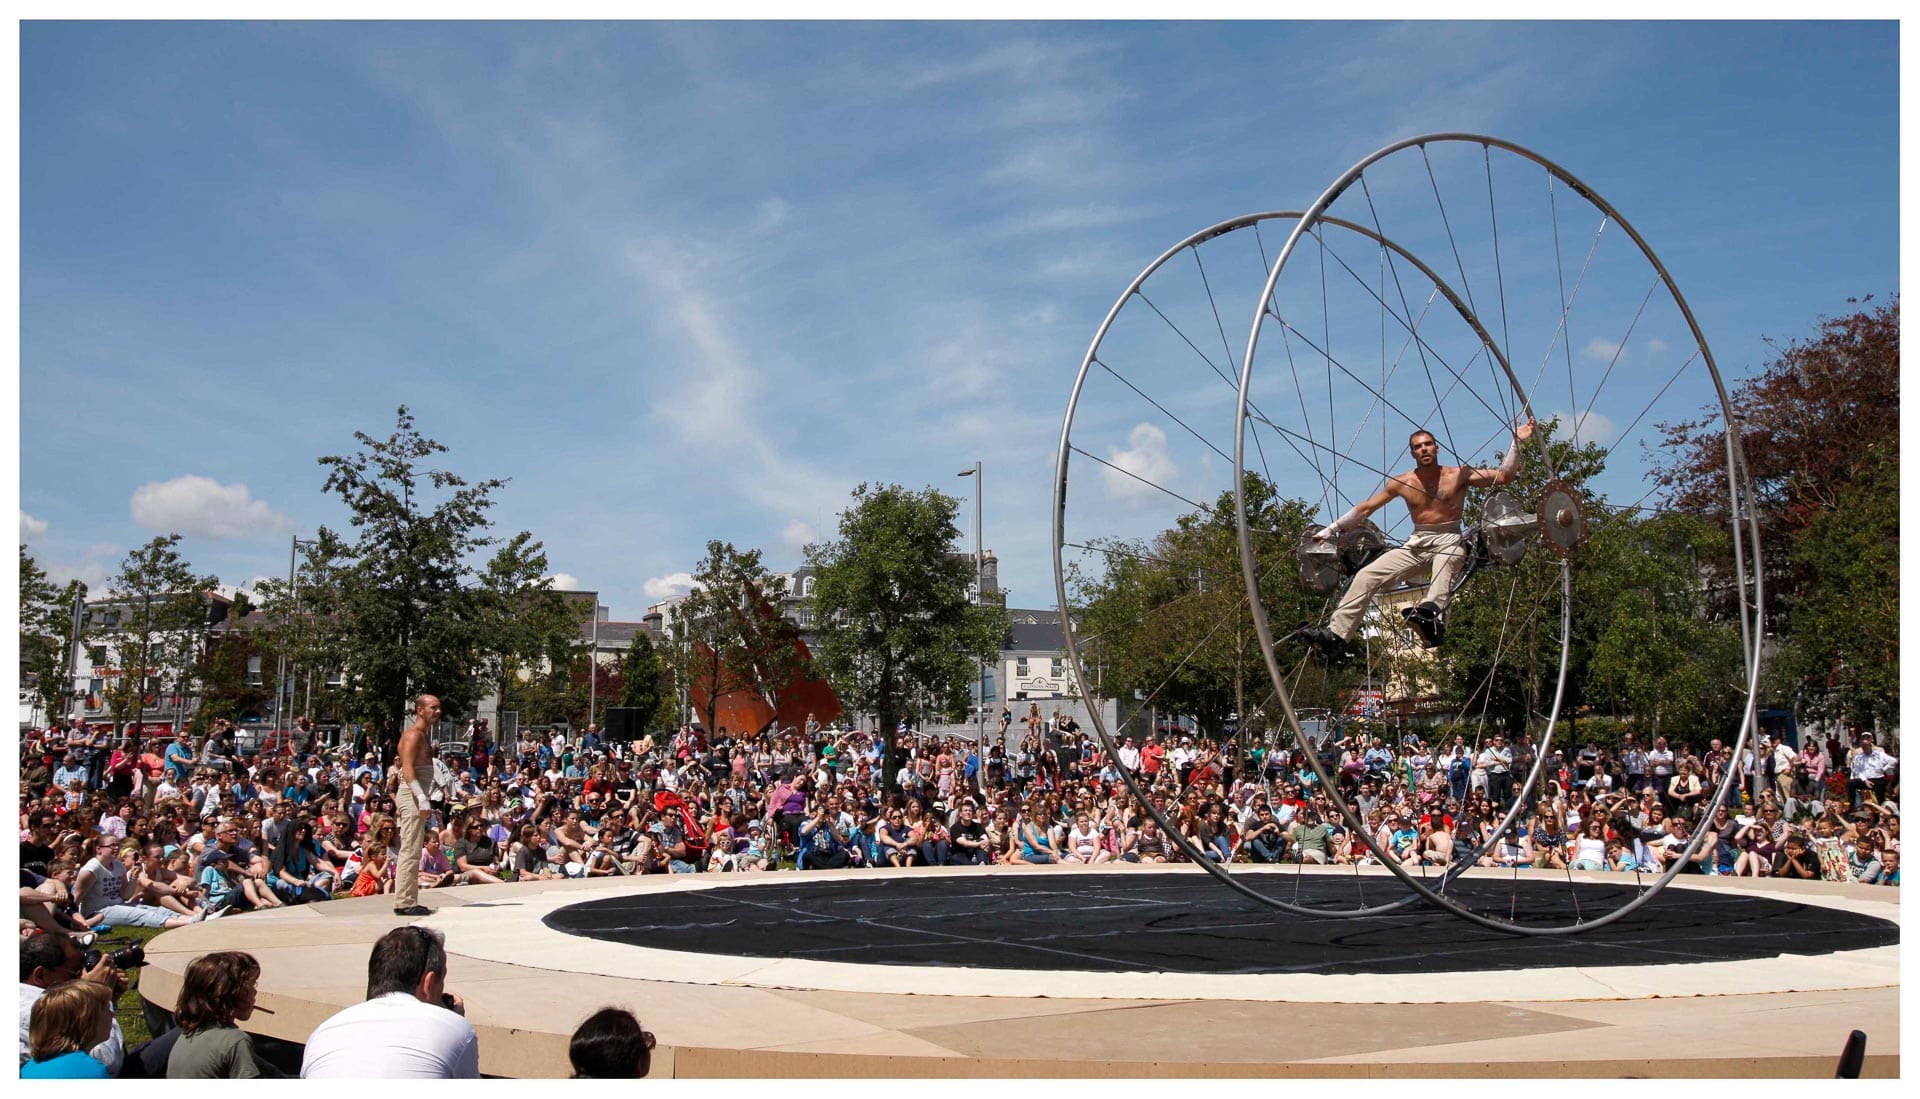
(1360, 546)
(1319, 562)
(1507, 528)
(1562, 518)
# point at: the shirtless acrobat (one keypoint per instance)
(1436, 497)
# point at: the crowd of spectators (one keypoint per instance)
(162, 832)
(165, 831)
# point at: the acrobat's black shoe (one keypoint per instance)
(1425, 620)
(1326, 646)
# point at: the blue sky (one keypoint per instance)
(692, 281)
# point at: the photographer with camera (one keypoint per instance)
(47, 960)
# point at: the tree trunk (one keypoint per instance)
(888, 749)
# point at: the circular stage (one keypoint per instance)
(1173, 922)
(1098, 972)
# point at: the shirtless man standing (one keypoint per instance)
(1435, 496)
(413, 769)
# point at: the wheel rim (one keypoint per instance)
(1744, 536)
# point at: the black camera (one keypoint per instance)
(127, 957)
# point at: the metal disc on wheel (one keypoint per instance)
(1562, 519)
(1506, 528)
(1359, 546)
(1320, 567)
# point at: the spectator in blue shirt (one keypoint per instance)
(179, 759)
(70, 771)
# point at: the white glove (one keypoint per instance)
(1339, 526)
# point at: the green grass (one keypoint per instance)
(133, 1021)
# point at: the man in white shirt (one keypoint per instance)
(1869, 770)
(1130, 756)
(1182, 755)
(409, 1027)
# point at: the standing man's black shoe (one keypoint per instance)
(416, 910)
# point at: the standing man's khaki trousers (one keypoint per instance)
(413, 838)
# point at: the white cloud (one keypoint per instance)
(798, 534)
(772, 215)
(1600, 350)
(92, 572)
(31, 528)
(668, 587)
(204, 508)
(565, 581)
(1593, 427)
(1656, 346)
(1146, 458)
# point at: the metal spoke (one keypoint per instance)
(1142, 480)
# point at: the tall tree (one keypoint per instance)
(306, 624)
(416, 622)
(1819, 428)
(732, 633)
(527, 622)
(1843, 653)
(1649, 645)
(46, 623)
(891, 610)
(1168, 620)
(643, 681)
(161, 605)
(226, 690)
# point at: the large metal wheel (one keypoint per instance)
(1559, 312)
(1148, 414)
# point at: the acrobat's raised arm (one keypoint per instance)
(1509, 463)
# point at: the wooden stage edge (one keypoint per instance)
(527, 987)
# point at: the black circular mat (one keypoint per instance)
(1186, 923)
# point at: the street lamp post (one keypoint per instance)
(593, 664)
(283, 690)
(979, 597)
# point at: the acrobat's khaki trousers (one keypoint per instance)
(1441, 546)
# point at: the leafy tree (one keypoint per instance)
(1648, 638)
(306, 622)
(643, 681)
(890, 607)
(526, 622)
(1169, 619)
(46, 621)
(415, 619)
(731, 635)
(1650, 645)
(1844, 653)
(225, 689)
(1809, 424)
(162, 608)
(1819, 429)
